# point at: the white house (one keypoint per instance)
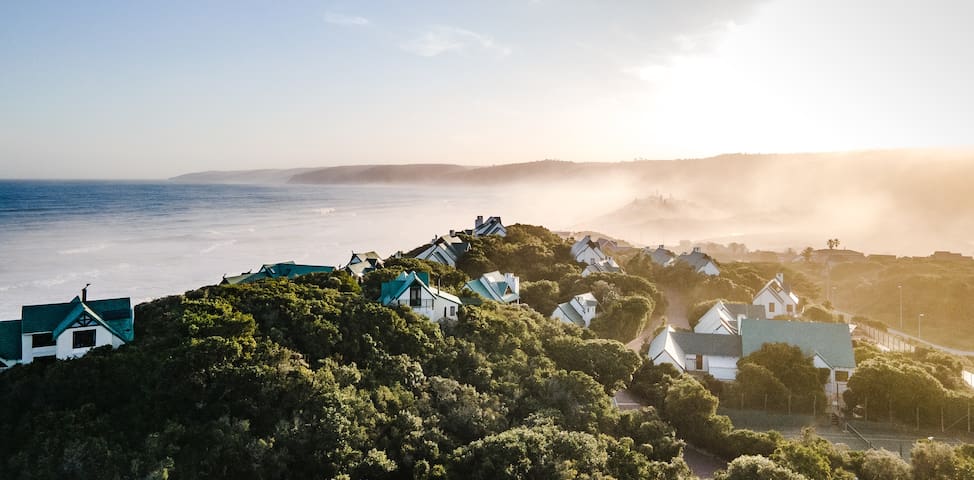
(697, 352)
(829, 345)
(777, 298)
(362, 263)
(580, 310)
(701, 262)
(413, 289)
(446, 250)
(65, 330)
(588, 252)
(724, 317)
(608, 265)
(503, 288)
(491, 226)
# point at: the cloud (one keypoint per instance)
(341, 19)
(445, 39)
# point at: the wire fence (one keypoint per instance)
(893, 343)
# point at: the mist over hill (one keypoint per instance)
(892, 201)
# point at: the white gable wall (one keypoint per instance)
(589, 255)
(65, 341)
(773, 306)
(709, 269)
(431, 306)
(710, 322)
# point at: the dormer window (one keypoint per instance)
(415, 296)
(83, 339)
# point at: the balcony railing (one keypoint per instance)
(421, 303)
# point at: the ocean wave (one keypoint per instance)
(323, 211)
(217, 245)
(85, 249)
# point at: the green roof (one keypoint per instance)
(393, 289)
(10, 340)
(277, 270)
(830, 341)
(570, 312)
(46, 318)
(493, 286)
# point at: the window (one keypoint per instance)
(841, 376)
(770, 307)
(39, 340)
(83, 339)
(790, 308)
(415, 296)
(453, 311)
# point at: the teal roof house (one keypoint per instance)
(288, 270)
(65, 330)
(413, 289)
(503, 288)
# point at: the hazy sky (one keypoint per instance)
(153, 89)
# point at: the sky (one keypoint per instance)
(126, 89)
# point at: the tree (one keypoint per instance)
(934, 461)
(833, 243)
(607, 361)
(541, 295)
(756, 467)
(624, 319)
(791, 367)
(884, 465)
(807, 254)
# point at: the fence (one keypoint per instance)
(892, 342)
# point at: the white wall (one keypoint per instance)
(710, 322)
(710, 269)
(431, 305)
(65, 347)
(722, 368)
(589, 256)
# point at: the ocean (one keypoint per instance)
(146, 240)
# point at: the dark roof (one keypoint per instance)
(10, 340)
(277, 270)
(746, 309)
(46, 318)
(711, 344)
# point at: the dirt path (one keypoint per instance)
(676, 308)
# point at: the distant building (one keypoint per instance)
(724, 318)
(944, 256)
(491, 226)
(446, 249)
(835, 255)
(503, 288)
(288, 270)
(608, 265)
(777, 298)
(588, 252)
(413, 289)
(65, 330)
(700, 262)
(661, 256)
(362, 263)
(580, 310)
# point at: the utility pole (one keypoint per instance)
(919, 317)
(900, 288)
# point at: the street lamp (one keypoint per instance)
(918, 324)
(900, 288)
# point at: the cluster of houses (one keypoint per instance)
(730, 331)
(723, 335)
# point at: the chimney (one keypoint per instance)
(84, 293)
(780, 277)
(661, 247)
(453, 233)
(479, 221)
(696, 249)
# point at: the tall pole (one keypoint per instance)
(920, 317)
(900, 288)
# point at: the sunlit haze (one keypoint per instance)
(129, 90)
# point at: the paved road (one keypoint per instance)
(954, 351)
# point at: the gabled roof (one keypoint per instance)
(830, 341)
(608, 265)
(587, 299)
(580, 246)
(114, 314)
(277, 270)
(569, 312)
(494, 286)
(394, 289)
(10, 340)
(362, 263)
(780, 290)
(661, 256)
(710, 344)
(746, 310)
(696, 259)
(491, 226)
(446, 249)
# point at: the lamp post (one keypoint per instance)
(919, 317)
(900, 288)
